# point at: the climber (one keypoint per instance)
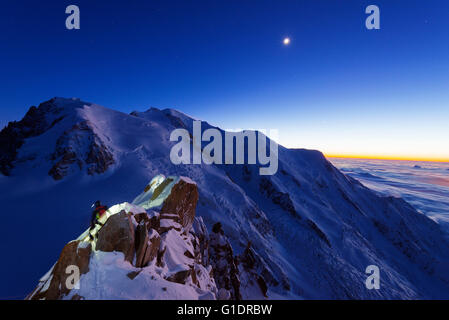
(98, 212)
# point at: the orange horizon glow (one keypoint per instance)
(386, 157)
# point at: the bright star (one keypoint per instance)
(286, 41)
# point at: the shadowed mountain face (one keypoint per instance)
(313, 229)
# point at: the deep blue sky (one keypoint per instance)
(337, 87)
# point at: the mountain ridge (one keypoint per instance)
(313, 228)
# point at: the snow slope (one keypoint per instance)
(314, 230)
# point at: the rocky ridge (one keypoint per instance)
(165, 242)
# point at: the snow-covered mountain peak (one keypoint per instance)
(58, 135)
(313, 230)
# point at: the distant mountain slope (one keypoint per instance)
(313, 229)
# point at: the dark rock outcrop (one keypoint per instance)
(224, 263)
(35, 122)
(152, 222)
(182, 202)
(133, 274)
(282, 199)
(118, 234)
(251, 265)
(319, 232)
(71, 149)
(201, 246)
(147, 245)
(180, 276)
(73, 254)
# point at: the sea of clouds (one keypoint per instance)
(425, 185)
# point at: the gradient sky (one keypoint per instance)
(337, 87)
